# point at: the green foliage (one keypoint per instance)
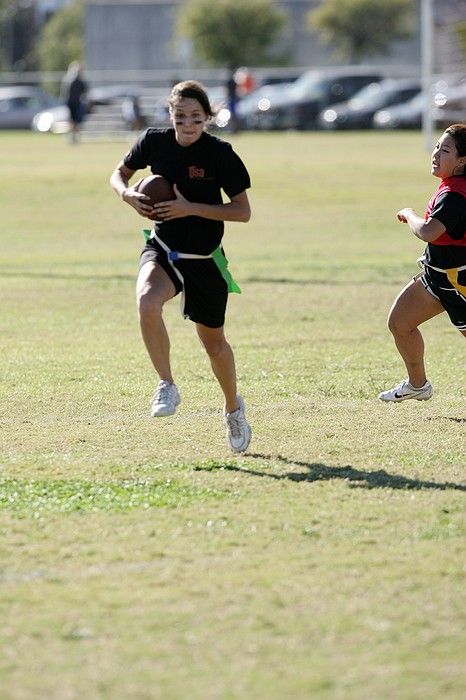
(359, 28)
(461, 34)
(231, 32)
(17, 36)
(3, 20)
(62, 38)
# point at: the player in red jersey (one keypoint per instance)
(442, 285)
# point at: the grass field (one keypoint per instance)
(140, 559)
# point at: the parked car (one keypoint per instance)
(358, 112)
(251, 106)
(19, 104)
(55, 120)
(404, 115)
(450, 104)
(298, 105)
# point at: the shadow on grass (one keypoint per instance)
(250, 280)
(310, 280)
(68, 276)
(450, 418)
(131, 278)
(379, 479)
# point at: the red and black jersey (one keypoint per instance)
(200, 171)
(448, 205)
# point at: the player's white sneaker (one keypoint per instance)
(404, 390)
(238, 429)
(165, 400)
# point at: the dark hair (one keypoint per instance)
(194, 90)
(458, 134)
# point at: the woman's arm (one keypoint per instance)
(237, 209)
(119, 180)
(427, 231)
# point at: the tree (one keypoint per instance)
(3, 34)
(461, 34)
(231, 32)
(62, 38)
(17, 35)
(361, 28)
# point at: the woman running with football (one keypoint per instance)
(442, 284)
(184, 253)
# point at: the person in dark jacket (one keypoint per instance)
(74, 94)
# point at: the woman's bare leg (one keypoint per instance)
(153, 289)
(222, 362)
(413, 306)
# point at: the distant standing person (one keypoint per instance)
(184, 253)
(245, 81)
(232, 99)
(74, 92)
(442, 285)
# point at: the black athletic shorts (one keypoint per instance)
(452, 301)
(204, 290)
(77, 112)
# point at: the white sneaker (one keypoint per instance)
(165, 400)
(404, 391)
(238, 429)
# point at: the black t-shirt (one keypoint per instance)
(76, 89)
(450, 210)
(200, 172)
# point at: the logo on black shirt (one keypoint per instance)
(196, 173)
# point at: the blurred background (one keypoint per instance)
(285, 64)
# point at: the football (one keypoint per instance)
(157, 188)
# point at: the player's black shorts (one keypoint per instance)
(205, 290)
(452, 301)
(77, 112)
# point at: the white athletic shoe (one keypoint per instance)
(165, 400)
(404, 391)
(238, 429)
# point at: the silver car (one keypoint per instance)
(19, 104)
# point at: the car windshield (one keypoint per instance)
(308, 85)
(416, 101)
(262, 96)
(373, 96)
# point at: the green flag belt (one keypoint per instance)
(217, 256)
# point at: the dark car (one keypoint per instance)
(450, 104)
(259, 101)
(19, 104)
(444, 94)
(405, 115)
(358, 112)
(298, 106)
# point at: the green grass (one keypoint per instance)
(140, 559)
(33, 498)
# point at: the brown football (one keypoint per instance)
(157, 188)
